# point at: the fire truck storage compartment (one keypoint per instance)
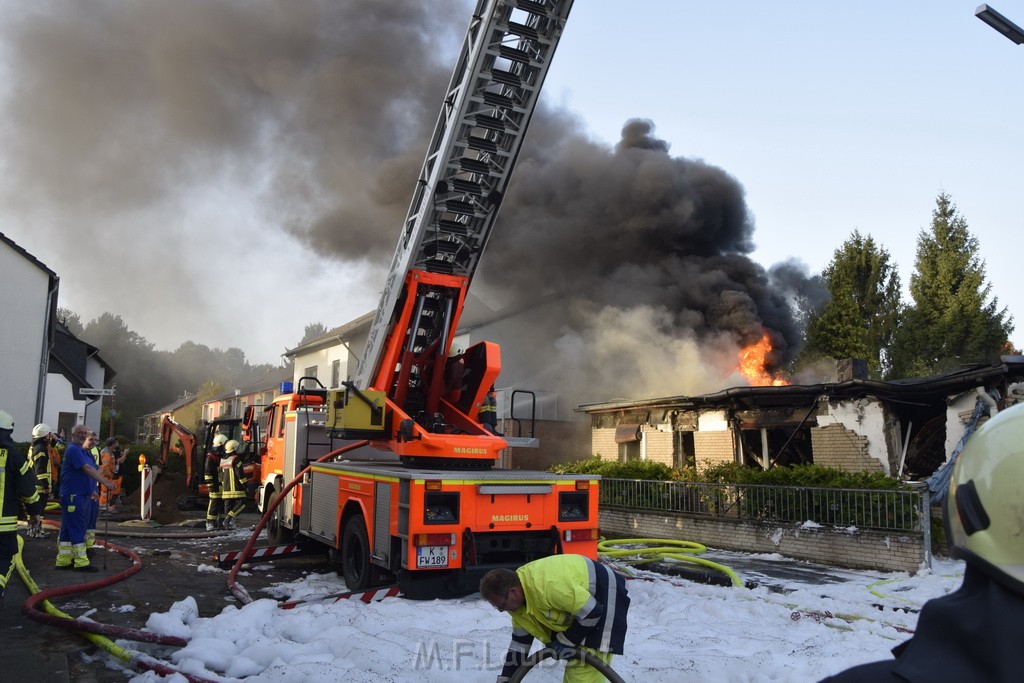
(382, 524)
(322, 504)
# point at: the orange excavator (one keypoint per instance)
(177, 439)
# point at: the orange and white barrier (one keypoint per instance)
(146, 489)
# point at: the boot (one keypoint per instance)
(229, 523)
(211, 526)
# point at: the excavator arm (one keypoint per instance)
(169, 429)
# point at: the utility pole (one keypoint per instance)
(112, 413)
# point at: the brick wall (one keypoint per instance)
(860, 549)
(713, 448)
(657, 445)
(836, 446)
(602, 444)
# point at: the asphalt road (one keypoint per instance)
(171, 555)
(170, 571)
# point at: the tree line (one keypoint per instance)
(951, 320)
(147, 378)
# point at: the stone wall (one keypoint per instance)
(855, 549)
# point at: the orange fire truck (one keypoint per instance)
(417, 498)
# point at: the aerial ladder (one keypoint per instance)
(410, 395)
(439, 519)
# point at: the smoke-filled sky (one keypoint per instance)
(228, 171)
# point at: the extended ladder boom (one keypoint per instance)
(487, 108)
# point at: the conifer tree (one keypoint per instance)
(952, 320)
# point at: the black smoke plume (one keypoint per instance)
(174, 161)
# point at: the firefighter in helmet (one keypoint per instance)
(489, 412)
(973, 634)
(211, 477)
(232, 483)
(41, 455)
(17, 487)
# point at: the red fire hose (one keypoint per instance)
(236, 588)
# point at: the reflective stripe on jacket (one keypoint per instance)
(17, 481)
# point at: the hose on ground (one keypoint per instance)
(32, 610)
(237, 589)
(539, 656)
(130, 533)
(40, 609)
(663, 549)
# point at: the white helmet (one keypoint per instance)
(231, 446)
(41, 429)
(983, 515)
(6, 421)
(219, 440)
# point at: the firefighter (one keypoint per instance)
(41, 456)
(567, 602)
(78, 480)
(111, 459)
(232, 483)
(489, 412)
(973, 634)
(17, 487)
(211, 477)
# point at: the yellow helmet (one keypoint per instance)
(984, 515)
(219, 440)
(231, 446)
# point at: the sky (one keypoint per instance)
(679, 631)
(228, 172)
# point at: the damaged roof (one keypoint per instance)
(1008, 370)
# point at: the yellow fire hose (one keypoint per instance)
(662, 549)
(33, 588)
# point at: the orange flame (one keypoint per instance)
(752, 361)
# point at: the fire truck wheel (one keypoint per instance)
(355, 555)
(277, 533)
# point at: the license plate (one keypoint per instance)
(432, 556)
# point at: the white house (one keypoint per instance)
(29, 313)
(334, 356)
(74, 383)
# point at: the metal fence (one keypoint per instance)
(883, 510)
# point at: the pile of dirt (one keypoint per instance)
(168, 488)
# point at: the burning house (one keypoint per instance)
(905, 428)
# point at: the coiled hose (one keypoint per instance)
(663, 549)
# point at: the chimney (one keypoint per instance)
(848, 369)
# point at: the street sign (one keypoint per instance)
(96, 392)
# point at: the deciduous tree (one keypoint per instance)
(861, 315)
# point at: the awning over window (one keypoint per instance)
(627, 433)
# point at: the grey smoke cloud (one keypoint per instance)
(207, 147)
